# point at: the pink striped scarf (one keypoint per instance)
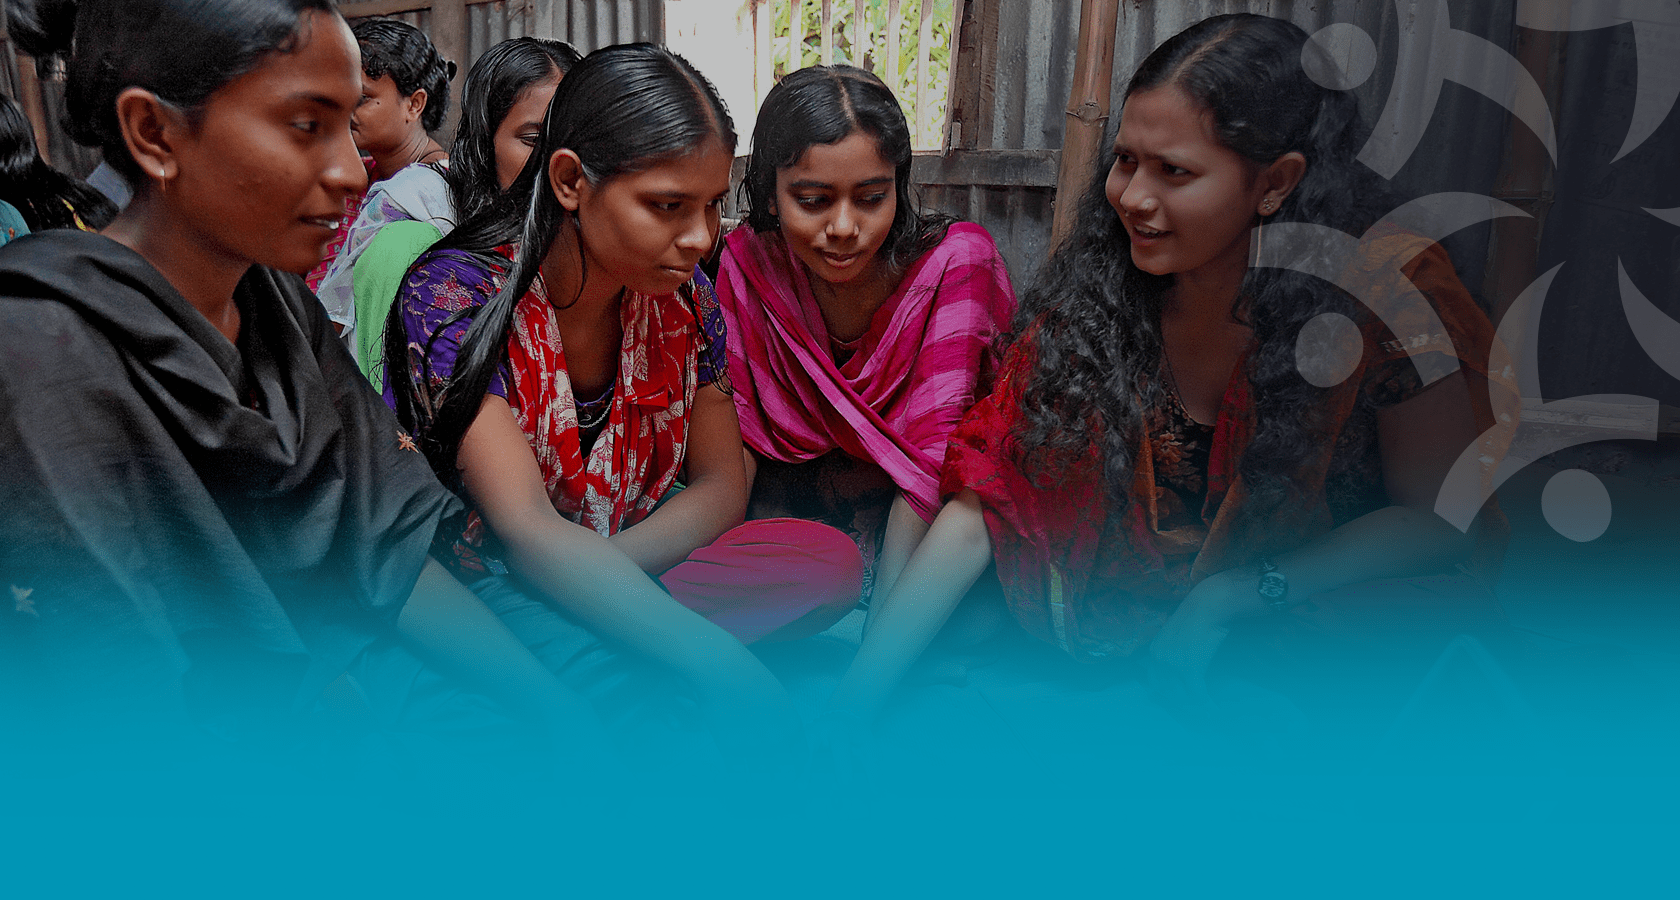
(897, 399)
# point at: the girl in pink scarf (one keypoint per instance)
(858, 327)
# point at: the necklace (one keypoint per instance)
(592, 414)
(1170, 379)
(1173, 398)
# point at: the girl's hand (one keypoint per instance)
(752, 718)
(1181, 653)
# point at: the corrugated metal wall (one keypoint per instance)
(1600, 224)
(586, 24)
(1028, 60)
(420, 18)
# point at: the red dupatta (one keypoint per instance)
(640, 450)
(1098, 582)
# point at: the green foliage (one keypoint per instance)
(874, 56)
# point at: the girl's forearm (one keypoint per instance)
(1393, 542)
(946, 564)
(695, 517)
(447, 626)
(589, 577)
(905, 531)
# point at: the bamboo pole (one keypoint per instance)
(1088, 109)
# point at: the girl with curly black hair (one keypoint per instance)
(1182, 440)
(505, 96)
(405, 95)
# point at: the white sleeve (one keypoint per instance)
(418, 193)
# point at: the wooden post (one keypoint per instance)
(895, 20)
(828, 32)
(796, 35)
(946, 142)
(764, 71)
(973, 86)
(924, 39)
(34, 104)
(860, 34)
(449, 35)
(1088, 107)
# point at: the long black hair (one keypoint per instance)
(824, 105)
(622, 109)
(46, 197)
(181, 50)
(395, 48)
(1094, 318)
(494, 84)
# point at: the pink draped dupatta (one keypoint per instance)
(897, 399)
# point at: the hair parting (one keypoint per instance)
(825, 105)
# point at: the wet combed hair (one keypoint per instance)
(181, 50)
(825, 105)
(395, 48)
(622, 109)
(494, 84)
(46, 197)
(1094, 318)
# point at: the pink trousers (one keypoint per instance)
(771, 579)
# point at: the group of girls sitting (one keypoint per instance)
(603, 470)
